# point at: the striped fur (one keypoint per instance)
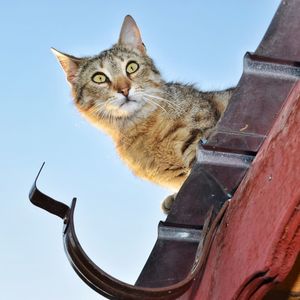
(157, 127)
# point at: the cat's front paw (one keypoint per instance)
(167, 203)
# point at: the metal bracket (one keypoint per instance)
(111, 287)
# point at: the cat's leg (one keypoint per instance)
(167, 203)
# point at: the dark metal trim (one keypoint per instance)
(220, 158)
(45, 202)
(109, 286)
(172, 232)
(284, 69)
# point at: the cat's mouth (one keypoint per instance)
(123, 106)
(127, 100)
(127, 107)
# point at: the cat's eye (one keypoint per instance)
(99, 77)
(132, 67)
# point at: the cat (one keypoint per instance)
(154, 124)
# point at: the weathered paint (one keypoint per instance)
(260, 237)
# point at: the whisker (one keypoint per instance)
(155, 103)
(100, 111)
(165, 100)
(172, 104)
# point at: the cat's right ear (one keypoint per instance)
(70, 64)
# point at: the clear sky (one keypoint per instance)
(117, 214)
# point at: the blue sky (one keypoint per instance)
(117, 214)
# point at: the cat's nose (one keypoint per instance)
(124, 91)
(122, 85)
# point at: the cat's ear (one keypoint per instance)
(130, 35)
(69, 63)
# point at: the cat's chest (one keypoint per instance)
(151, 149)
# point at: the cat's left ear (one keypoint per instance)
(130, 35)
(69, 63)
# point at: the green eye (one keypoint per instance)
(99, 78)
(132, 67)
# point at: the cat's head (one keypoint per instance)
(119, 82)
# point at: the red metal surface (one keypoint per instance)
(260, 237)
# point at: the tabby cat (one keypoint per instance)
(154, 124)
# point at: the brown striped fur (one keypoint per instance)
(155, 125)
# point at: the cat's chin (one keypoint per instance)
(127, 109)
